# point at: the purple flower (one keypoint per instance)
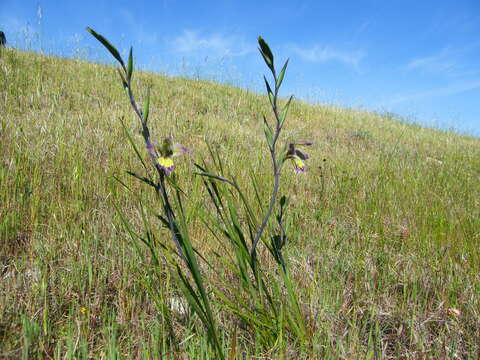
(298, 155)
(168, 151)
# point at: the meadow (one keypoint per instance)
(384, 227)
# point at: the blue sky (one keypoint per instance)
(418, 59)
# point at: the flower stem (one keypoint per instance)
(276, 175)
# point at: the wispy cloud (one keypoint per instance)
(319, 53)
(444, 61)
(192, 42)
(449, 61)
(447, 90)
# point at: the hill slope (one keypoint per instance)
(386, 221)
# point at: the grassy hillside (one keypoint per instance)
(384, 240)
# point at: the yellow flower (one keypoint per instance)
(166, 163)
(298, 164)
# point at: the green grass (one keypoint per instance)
(384, 227)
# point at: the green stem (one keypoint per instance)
(276, 175)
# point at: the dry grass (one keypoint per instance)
(384, 227)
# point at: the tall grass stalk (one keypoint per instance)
(194, 291)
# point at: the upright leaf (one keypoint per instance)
(113, 50)
(130, 65)
(269, 91)
(146, 107)
(283, 201)
(266, 53)
(268, 132)
(283, 114)
(282, 74)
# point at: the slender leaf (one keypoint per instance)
(217, 177)
(282, 74)
(253, 178)
(269, 91)
(141, 178)
(283, 114)
(236, 225)
(268, 132)
(266, 53)
(192, 296)
(146, 107)
(113, 50)
(130, 65)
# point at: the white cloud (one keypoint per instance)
(448, 90)
(450, 61)
(191, 42)
(318, 53)
(444, 61)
